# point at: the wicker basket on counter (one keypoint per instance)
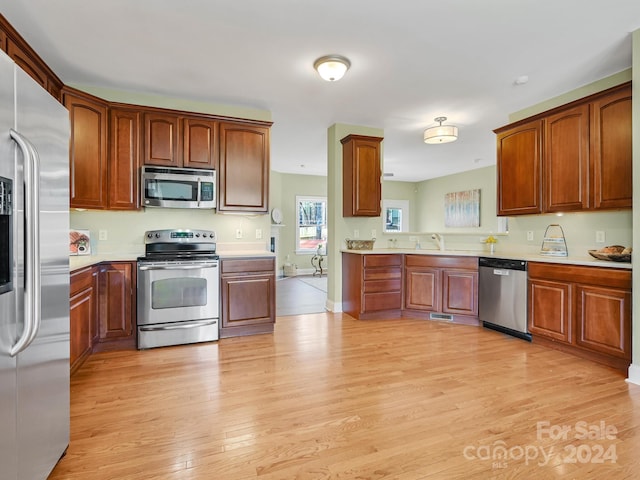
(360, 244)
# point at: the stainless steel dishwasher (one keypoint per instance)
(502, 301)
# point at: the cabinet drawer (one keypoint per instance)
(382, 301)
(443, 261)
(247, 265)
(385, 273)
(393, 285)
(382, 260)
(81, 280)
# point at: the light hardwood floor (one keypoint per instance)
(337, 398)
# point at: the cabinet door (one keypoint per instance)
(81, 310)
(361, 173)
(519, 164)
(550, 310)
(243, 174)
(200, 143)
(161, 140)
(88, 151)
(124, 158)
(423, 289)
(247, 300)
(460, 292)
(116, 300)
(27, 63)
(603, 320)
(566, 160)
(611, 150)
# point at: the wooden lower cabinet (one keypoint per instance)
(584, 310)
(101, 309)
(372, 285)
(117, 301)
(82, 316)
(441, 287)
(247, 296)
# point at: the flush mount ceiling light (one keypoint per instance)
(441, 133)
(332, 67)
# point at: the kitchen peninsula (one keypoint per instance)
(577, 304)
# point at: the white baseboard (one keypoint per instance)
(633, 375)
(335, 307)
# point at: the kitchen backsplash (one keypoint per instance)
(124, 231)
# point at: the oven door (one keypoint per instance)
(170, 292)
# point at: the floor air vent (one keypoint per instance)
(441, 316)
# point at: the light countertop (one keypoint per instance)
(81, 261)
(585, 260)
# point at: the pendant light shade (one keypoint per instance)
(332, 67)
(441, 133)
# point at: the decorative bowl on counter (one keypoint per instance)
(614, 253)
(359, 244)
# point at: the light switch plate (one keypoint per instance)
(356, 234)
(530, 235)
(258, 233)
(102, 234)
(238, 233)
(600, 237)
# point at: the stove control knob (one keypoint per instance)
(149, 235)
(197, 235)
(211, 235)
(157, 235)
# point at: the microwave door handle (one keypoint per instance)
(198, 196)
(32, 243)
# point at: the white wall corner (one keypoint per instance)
(634, 374)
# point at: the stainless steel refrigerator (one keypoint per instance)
(34, 277)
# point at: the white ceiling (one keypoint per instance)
(411, 60)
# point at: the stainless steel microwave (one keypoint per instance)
(178, 187)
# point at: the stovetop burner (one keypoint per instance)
(179, 244)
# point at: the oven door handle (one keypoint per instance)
(177, 267)
(202, 323)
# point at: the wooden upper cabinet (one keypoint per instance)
(585, 147)
(124, 159)
(361, 172)
(87, 150)
(519, 169)
(566, 160)
(199, 143)
(28, 60)
(161, 140)
(27, 63)
(243, 173)
(611, 147)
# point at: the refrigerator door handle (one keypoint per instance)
(32, 243)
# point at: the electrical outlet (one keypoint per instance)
(600, 237)
(373, 233)
(530, 235)
(258, 233)
(102, 234)
(238, 233)
(356, 234)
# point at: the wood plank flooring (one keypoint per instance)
(330, 397)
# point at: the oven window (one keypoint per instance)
(178, 292)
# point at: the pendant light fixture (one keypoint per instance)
(441, 133)
(332, 67)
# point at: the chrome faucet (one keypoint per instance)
(439, 240)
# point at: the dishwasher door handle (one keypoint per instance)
(497, 271)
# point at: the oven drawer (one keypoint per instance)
(177, 333)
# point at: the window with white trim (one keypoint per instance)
(311, 228)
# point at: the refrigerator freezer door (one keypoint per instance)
(8, 443)
(43, 367)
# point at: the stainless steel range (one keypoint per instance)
(178, 288)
